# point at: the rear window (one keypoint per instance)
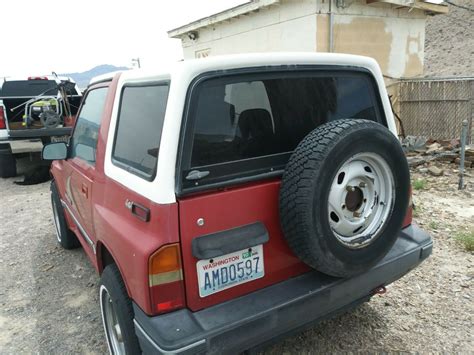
(30, 88)
(138, 134)
(248, 124)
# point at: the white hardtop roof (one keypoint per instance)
(104, 77)
(194, 67)
(181, 75)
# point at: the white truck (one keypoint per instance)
(34, 111)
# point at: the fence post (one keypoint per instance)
(463, 152)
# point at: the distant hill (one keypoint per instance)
(82, 79)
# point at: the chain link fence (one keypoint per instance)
(435, 108)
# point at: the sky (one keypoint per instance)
(39, 37)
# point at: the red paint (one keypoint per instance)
(100, 208)
(99, 204)
(69, 121)
(409, 215)
(229, 209)
(3, 123)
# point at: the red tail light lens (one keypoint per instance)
(3, 124)
(37, 78)
(166, 279)
(409, 216)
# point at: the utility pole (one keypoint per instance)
(137, 61)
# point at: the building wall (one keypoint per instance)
(394, 37)
(287, 27)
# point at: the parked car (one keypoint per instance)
(228, 201)
(34, 111)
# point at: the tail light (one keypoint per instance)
(409, 216)
(166, 279)
(37, 78)
(3, 123)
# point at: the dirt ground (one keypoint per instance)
(49, 303)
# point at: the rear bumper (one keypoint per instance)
(39, 132)
(287, 307)
(28, 140)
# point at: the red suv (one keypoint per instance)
(228, 201)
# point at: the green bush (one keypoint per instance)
(466, 239)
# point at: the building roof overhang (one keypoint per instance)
(430, 6)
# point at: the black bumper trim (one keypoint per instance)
(277, 310)
(39, 132)
(153, 347)
(225, 242)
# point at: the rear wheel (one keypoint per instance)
(117, 313)
(7, 162)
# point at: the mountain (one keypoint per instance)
(82, 79)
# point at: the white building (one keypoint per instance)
(391, 31)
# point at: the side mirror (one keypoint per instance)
(54, 151)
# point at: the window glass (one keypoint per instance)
(84, 139)
(251, 116)
(138, 134)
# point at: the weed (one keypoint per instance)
(420, 184)
(433, 225)
(466, 239)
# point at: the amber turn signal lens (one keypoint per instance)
(165, 265)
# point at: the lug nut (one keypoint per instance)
(350, 188)
(362, 184)
(357, 214)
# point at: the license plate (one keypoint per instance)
(223, 272)
(56, 139)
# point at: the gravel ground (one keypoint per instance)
(49, 303)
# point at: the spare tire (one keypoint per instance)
(344, 195)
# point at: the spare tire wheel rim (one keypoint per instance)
(361, 199)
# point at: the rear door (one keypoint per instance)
(80, 167)
(240, 132)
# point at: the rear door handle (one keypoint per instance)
(196, 175)
(139, 211)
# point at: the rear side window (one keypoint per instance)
(138, 133)
(248, 124)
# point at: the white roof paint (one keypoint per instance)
(181, 74)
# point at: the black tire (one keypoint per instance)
(7, 162)
(112, 291)
(305, 190)
(66, 238)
